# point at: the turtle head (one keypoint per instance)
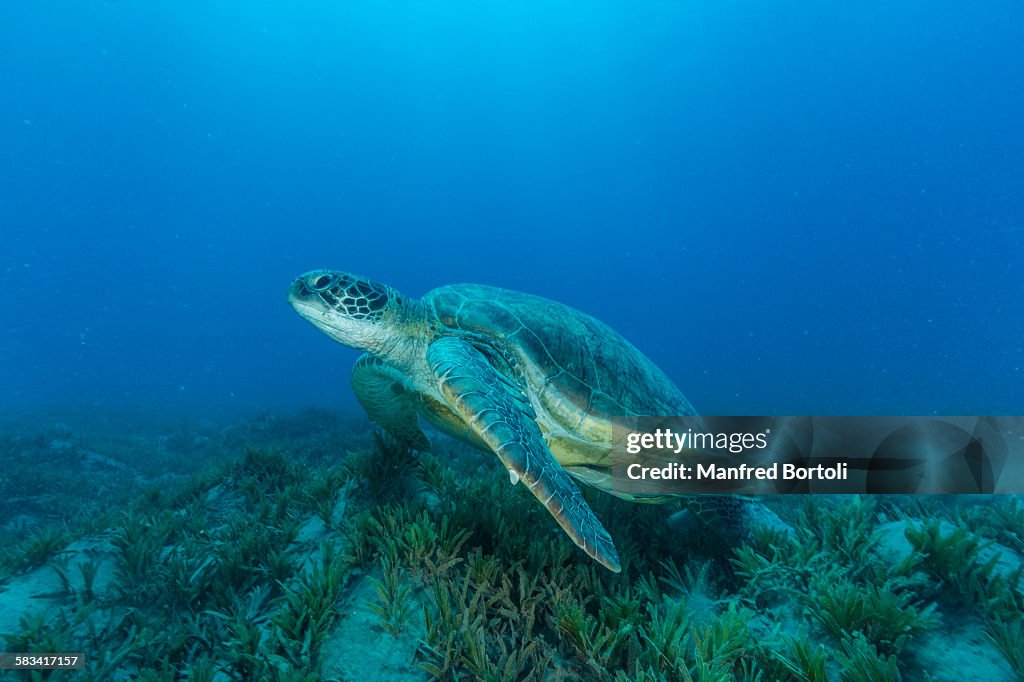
(352, 310)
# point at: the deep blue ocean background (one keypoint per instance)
(791, 207)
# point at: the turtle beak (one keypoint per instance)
(298, 290)
(303, 299)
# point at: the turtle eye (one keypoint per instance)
(321, 282)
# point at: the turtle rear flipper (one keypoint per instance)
(476, 392)
(380, 389)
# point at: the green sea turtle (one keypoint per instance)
(531, 380)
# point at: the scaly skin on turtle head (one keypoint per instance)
(352, 310)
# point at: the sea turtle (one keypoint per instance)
(531, 380)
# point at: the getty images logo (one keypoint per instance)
(677, 441)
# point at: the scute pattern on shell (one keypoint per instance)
(568, 357)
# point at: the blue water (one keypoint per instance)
(791, 207)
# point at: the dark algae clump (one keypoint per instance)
(304, 547)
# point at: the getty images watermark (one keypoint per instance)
(697, 443)
(800, 454)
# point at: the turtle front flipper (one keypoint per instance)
(505, 422)
(380, 389)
